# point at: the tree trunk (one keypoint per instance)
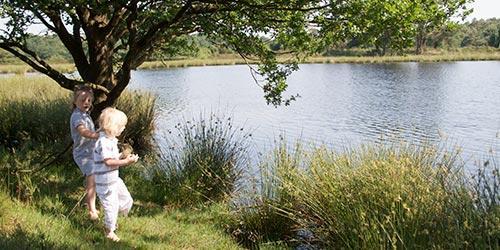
(420, 40)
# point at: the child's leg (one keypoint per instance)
(91, 195)
(110, 204)
(112, 236)
(124, 198)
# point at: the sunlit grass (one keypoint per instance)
(202, 162)
(461, 55)
(37, 109)
(21, 68)
(373, 197)
(23, 226)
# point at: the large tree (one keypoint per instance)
(108, 39)
(386, 25)
(435, 15)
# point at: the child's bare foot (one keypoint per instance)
(112, 236)
(93, 215)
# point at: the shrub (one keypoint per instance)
(203, 161)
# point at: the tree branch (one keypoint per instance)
(42, 19)
(156, 30)
(30, 58)
(71, 42)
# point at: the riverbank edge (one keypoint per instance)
(493, 55)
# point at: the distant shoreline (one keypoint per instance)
(492, 55)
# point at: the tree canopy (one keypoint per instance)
(109, 39)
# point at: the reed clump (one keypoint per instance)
(379, 197)
(202, 161)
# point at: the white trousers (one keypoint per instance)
(114, 198)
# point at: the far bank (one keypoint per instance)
(482, 54)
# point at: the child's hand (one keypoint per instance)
(132, 158)
(125, 149)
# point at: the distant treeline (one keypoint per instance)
(477, 33)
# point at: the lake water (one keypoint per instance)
(455, 103)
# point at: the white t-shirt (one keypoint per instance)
(105, 148)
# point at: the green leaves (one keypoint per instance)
(109, 39)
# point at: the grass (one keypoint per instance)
(465, 54)
(25, 226)
(374, 197)
(20, 69)
(36, 109)
(203, 160)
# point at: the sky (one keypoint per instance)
(483, 9)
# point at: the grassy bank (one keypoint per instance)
(432, 56)
(373, 197)
(48, 224)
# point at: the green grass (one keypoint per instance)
(203, 160)
(25, 226)
(36, 109)
(21, 68)
(374, 197)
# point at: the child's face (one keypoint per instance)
(84, 101)
(119, 130)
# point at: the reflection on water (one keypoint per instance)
(344, 104)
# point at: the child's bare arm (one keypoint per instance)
(122, 162)
(85, 132)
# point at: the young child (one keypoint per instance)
(84, 137)
(111, 190)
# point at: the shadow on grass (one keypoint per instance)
(21, 239)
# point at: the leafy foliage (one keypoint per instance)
(106, 40)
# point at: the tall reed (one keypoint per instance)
(140, 109)
(261, 214)
(203, 161)
(382, 197)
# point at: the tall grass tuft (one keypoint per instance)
(261, 215)
(140, 110)
(384, 197)
(32, 109)
(203, 162)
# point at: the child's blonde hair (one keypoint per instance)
(111, 120)
(79, 90)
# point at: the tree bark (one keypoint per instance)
(420, 40)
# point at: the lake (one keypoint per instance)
(343, 105)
